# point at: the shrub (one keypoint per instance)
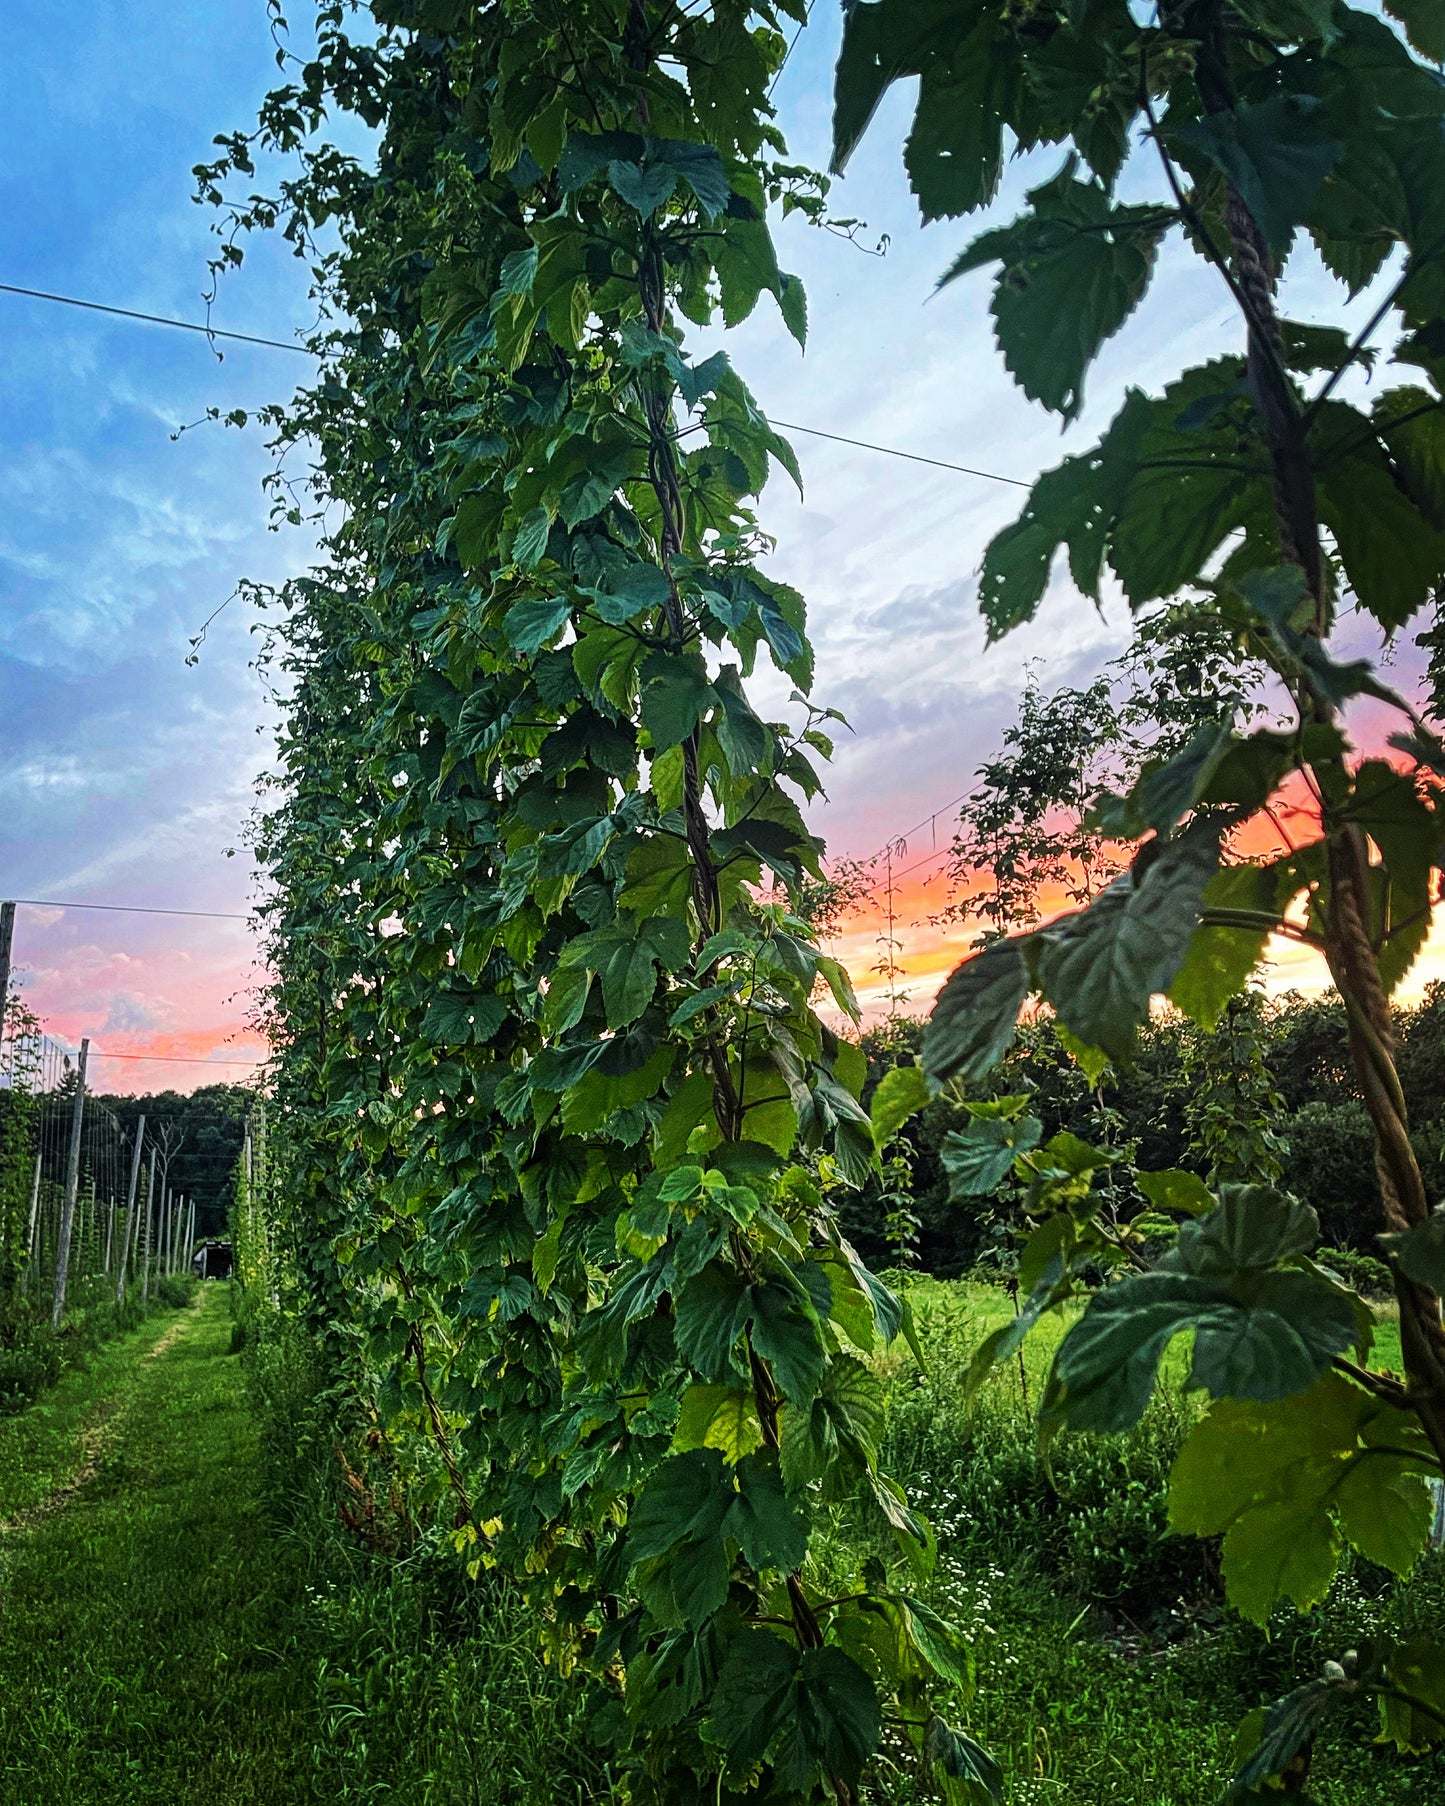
(30, 1360)
(1091, 1519)
(1368, 1276)
(175, 1290)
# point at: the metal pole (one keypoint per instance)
(140, 1135)
(191, 1237)
(7, 938)
(34, 1215)
(72, 1185)
(145, 1266)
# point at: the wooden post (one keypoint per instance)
(7, 938)
(191, 1236)
(145, 1265)
(140, 1135)
(241, 1215)
(109, 1230)
(34, 1217)
(72, 1186)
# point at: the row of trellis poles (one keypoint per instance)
(87, 1209)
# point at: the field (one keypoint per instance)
(187, 1619)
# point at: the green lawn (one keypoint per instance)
(141, 1660)
(189, 1623)
(42, 1449)
(166, 1640)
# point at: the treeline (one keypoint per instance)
(202, 1131)
(1269, 1094)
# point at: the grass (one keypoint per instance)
(193, 1624)
(41, 1449)
(1108, 1673)
(167, 1640)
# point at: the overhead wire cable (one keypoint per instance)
(134, 909)
(129, 313)
(790, 426)
(892, 451)
(99, 1053)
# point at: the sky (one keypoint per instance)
(127, 774)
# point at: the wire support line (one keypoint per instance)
(792, 46)
(99, 1053)
(928, 821)
(133, 909)
(788, 426)
(892, 451)
(129, 313)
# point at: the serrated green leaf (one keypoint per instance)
(1416, 1670)
(1075, 268)
(939, 1643)
(771, 1527)
(1101, 967)
(518, 271)
(675, 695)
(835, 975)
(530, 540)
(786, 1333)
(971, 1776)
(718, 1417)
(833, 1725)
(1271, 1475)
(899, 1094)
(644, 185)
(1278, 1551)
(463, 1018)
(1253, 1226)
(1093, 1062)
(712, 1312)
(1220, 958)
(1385, 1513)
(740, 734)
(1392, 552)
(974, 1018)
(1420, 1250)
(1174, 1189)
(978, 1158)
(1424, 22)
(1271, 1338)
(1167, 790)
(1288, 1724)
(1275, 152)
(752, 1698)
(530, 625)
(685, 1500)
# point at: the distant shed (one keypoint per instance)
(212, 1260)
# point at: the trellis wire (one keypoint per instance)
(37, 1095)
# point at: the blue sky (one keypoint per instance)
(127, 774)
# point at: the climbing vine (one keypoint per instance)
(551, 1092)
(1253, 487)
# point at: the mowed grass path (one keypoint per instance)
(143, 1616)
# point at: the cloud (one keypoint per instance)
(130, 1014)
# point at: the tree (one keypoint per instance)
(205, 1129)
(1252, 487)
(1043, 820)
